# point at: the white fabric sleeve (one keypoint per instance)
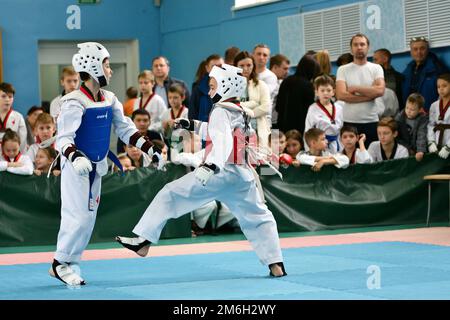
(259, 105)
(124, 127)
(156, 120)
(219, 130)
(305, 158)
(432, 119)
(22, 131)
(26, 169)
(363, 156)
(32, 151)
(189, 159)
(340, 75)
(68, 122)
(372, 151)
(3, 165)
(402, 152)
(342, 160)
(379, 73)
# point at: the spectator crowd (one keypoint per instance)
(367, 112)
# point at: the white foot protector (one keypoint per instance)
(137, 244)
(66, 274)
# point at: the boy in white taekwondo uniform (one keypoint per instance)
(84, 127)
(325, 114)
(217, 178)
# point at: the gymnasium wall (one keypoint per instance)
(26, 22)
(186, 31)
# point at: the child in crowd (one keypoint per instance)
(43, 161)
(128, 105)
(349, 139)
(293, 145)
(412, 126)
(277, 146)
(150, 101)
(70, 80)
(44, 130)
(30, 123)
(177, 109)
(439, 119)
(11, 159)
(138, 158)
(125, 161)
(387, 147)
(9, 118)
(141, 119)
(325, 114)
(318, 154)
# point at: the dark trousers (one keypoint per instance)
(369, 129)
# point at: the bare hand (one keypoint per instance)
(419, 156)
(296, 163)
(37, 172)
(15, 164)
(56, 172)
(362, 138)
(317, 166)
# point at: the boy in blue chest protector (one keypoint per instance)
(84, 127)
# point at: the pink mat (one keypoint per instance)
(436, 236)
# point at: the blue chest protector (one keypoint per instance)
(93, 135)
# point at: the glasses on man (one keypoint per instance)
(415, 39)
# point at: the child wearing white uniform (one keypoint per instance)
(232, 183)
(318, 155)
(11, 159)
(45, 129)
(150, 101)
(324, 114)
(349, 139)
(10, 118)
(439, 119)
(387, 147)
(84, 127)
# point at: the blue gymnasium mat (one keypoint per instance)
(407, 271)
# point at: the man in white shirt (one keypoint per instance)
(261, 55)
(358, 84)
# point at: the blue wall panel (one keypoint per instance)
(25, 22)
(184, 21)
(184, 30)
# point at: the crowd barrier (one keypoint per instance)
(381, 194)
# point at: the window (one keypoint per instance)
(429, 19)
(331, 29)
(242, 4)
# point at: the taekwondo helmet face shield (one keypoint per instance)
(89, 59)
(230, 82)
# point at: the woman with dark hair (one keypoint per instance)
(200, 103)
(296, 95)
(257, 103)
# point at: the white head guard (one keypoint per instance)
(230, 82)
(89, 59)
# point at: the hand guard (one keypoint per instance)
(444, 153)
(158, 161)
(153, 151)
(285, 160)
(182, 123)
(205, 172)
(432, 148)
(82, 166)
